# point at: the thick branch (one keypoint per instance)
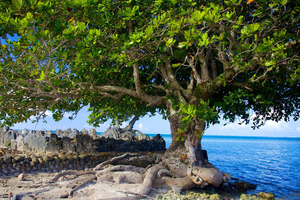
(195, 72)
(204, 65)
(131, 124)
(171, 74)
(137, 82)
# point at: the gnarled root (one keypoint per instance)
(173, 172)
(149, 177)
(78, 187)
(178, 184)
(212, 176)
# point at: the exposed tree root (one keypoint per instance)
(162, 172)
(122, 168)
(78, 187)
(150, 175)
(122, 177)
(179, 184)
(173, 172)
(65, 173)
(30, 193)
(114, 160)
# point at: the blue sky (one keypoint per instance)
(157, 125)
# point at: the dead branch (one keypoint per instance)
(122, 168)
(82, 184)
(113, 160)
(76, 173)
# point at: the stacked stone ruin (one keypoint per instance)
(74, 141)
(45, 151)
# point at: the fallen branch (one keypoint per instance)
(113, 160)
(122, 168)
(76, 173)
(78, 187)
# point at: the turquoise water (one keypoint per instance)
(273, 164)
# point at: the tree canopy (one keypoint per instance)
(199, 59)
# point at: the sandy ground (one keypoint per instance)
(36, 186)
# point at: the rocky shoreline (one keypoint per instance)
(29, 155)
(13, 163)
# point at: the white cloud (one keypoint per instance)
(140, 126)
(275, 126)
(123, 124)
(298, 129)
(67, 115)
(48, 113)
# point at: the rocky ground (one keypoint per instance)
(36, 186)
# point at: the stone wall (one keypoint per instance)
(13, 163)
(74, 141)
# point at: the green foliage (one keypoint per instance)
(180, 135)
(202, 60)
(202, 112)
(8, 144)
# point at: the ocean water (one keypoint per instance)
(273, 164)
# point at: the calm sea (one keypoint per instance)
(273, 164)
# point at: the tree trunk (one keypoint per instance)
(185, 158)
(189, 136)
(130, 125)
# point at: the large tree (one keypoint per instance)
(195, 62)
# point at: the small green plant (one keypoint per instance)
(180, 135)
(7, 144)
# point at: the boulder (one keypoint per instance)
(53, 144)
(20, 143)
(25, 131)
(35, 141)
(84, 143)
(93, 133)
(68, 144)
(128, 136)
(59, 132)
(84, 131)
(73, 134)
(266, 195)
(48, 133)
(140, 136)
(67, 132)
(21, 177)
(9, 136)
(243, 186)
(112, 132)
